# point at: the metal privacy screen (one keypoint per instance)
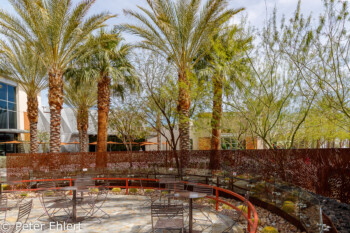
(323, 171)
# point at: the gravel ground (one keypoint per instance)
(338, 212)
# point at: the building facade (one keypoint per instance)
(14, 124)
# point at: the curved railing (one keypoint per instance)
(252, 226)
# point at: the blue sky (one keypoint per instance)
(256, 11)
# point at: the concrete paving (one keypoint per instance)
(127, 214)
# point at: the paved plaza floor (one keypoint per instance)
(127, 214)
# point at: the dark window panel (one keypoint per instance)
(3, 119)
(11, 93)
(12, 120)
(3, 91)
(3, 104)
(11, 106)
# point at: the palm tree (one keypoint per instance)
(179, 31)
(20, 64)
(226, 66)
(81, 95)
(57, 32)
(110, 63)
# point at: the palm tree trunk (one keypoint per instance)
(84, 141)
(216, 124)
(183, 109)
(216, 114)
(32, 104)
(83, 124)
(56, 103)
(103, 101)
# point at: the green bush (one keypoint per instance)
(133, 190)
(243, 208)
(94, 190)
(291, 197)
(242, 177)
(226, 207)
(288, 207)
(5, 187)
(149, 190)
(24, 194)
(116, 190)
(212, 201)
(259, 222)
(165, 192)
(259, 188)
(49, 193)
(269, 229)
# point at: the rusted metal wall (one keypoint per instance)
(323, 171)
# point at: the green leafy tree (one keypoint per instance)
(328, 63)
(128, 122)
(276, 99)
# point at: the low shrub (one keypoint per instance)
(259, 222)
(291, 197)
(212, 201)
(165, 192)
(24, 194)
(243, 208)
(259, 188)
(5, 187)
(242, 177)
(149, 190)
(226, 207)
(269, 229)
(116, 190)
(288, 207)
(94, 190)
(133, 190)
(49, 193)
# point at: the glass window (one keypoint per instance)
(11, 93)
(8, 114)
(3, 91)
(3, 119)
(11, 106)
(3, 104)
(12, 120)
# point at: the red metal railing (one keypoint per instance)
(251, 226)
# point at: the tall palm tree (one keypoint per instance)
(110, 63)
(57, 32)
(180, 30)
(20, 64)
(226, 65)
(81, 95)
